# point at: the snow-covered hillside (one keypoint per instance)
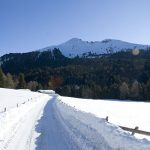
(79, 47)
(45, 122)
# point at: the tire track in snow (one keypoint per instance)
(52, 135)
(86, 137)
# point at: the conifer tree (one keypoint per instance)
(2, 78)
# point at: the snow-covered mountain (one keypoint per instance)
(76, 46)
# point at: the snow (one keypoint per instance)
(9, 98)
(47, 91)
(49, 121)
(123, 113)
(95, 133)
(76, 46)
(33, 125)
(50, 132)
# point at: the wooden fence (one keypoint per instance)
(30, 99)
(133, 130)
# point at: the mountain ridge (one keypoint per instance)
(78, 47)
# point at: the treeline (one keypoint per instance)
(17, 82)
(132, 91)
(115, 76)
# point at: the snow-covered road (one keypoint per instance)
(43, 127)
(39, 129)
(50, 124)
(52, 135)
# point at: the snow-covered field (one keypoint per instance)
(46, 122)
(10, 98)
(123, 113)
(15, 117)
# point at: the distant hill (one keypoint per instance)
(23, 62)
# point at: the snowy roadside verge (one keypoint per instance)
(93, 132)
(9, 98)
(122, 113)
(11, 120)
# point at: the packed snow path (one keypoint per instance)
(39, 129)
(52, 135)
(52, 125)
(57, 133)
(43, 128)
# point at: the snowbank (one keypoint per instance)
(9, 98)
(116, 137)
(13, 117)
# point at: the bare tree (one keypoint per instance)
(124, 90)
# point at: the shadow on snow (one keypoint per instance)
(51, 133)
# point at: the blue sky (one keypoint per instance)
(27, 25)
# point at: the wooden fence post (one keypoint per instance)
(133, 132)
(5, 109)
(106, 118)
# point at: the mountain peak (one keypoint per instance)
(106, 40)
(74, 40)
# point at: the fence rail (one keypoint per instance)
(133, 130)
